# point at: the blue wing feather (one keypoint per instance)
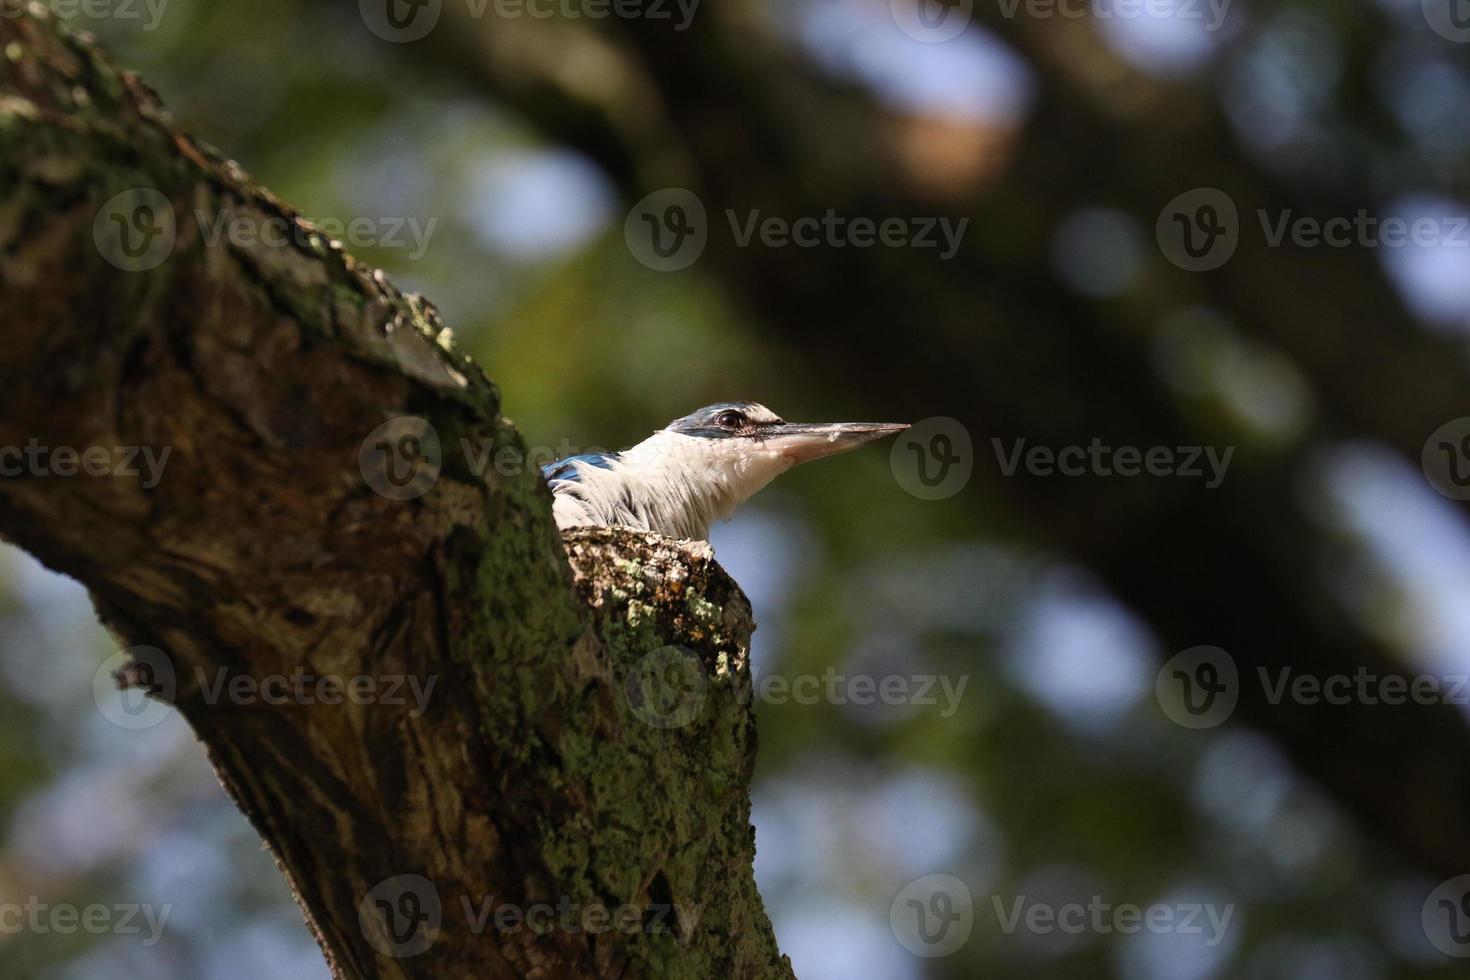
(566, 469)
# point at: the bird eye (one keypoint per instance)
(730, 420)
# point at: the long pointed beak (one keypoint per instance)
(805, 441)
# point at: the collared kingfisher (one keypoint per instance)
(696, 470)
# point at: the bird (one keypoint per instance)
(696, 470)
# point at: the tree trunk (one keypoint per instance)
(476, 750)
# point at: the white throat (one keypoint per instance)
(674, 484)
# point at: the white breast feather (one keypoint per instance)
(670, 483)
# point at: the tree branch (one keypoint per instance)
(544, 758)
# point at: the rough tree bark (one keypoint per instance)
(557, 761)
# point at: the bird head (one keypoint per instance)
(752, 428)
(749, 439)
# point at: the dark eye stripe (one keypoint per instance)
(711, 422)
